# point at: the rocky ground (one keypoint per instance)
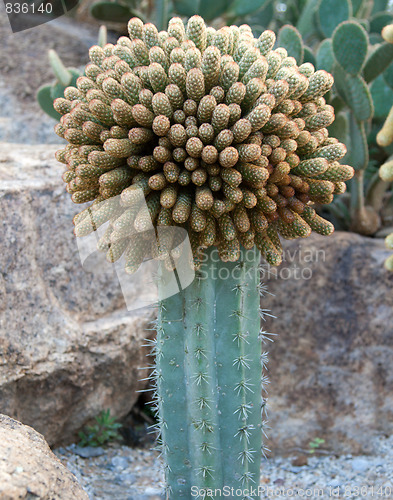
(121, 472)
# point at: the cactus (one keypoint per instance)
(215, 141)
(206, 339)
(217, 133)
(384, 139)
(386, 175)
(359, 96)
(113, 12)
(330, 13)
(344, 38)
(290, 39)
(65, 77)
(389, 260)
(46, 94)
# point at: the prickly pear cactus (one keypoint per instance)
(225, 137)
(46, 94)
(344, 38)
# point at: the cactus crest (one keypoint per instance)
(224, 136)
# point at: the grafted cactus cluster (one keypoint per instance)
(225, 135)
(222, 135)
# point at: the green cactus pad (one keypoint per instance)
(110, 12)
(245, 7)
(331, 13)
(350, 44)
(378, 61)
(57, 89)
(358, 148)
(356, 94)
(45, 100)
(290, 39)
(379, 21)
(381, 94)
(48, 93)
(340, 128)
(357, 6)
(309, 56)
(388, 75)
(379, 6)
(306, 22)
(375, 39)
(325, 56)
(262, 19)
(205, 8)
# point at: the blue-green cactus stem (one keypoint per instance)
(209, 374)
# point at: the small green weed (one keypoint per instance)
(104, 430)
(315, 444)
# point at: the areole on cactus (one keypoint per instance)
(225, 137)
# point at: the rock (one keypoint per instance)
(29, 469)
(120, 462)
(361, 464)
(330, 365)
(300, 461)
(69, 348)
(128, 477)
(89, 451)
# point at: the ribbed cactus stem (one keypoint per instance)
(209, 373)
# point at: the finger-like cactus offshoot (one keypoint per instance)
(225, 136)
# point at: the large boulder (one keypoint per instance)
(69, 347)
(29, 469)
(330, 366)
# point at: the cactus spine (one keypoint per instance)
(208, 377)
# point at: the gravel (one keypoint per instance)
(119, 472)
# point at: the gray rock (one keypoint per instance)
(128, 478)
(120, 462)
(330, 365)
(334, 483)
(29, 469)
(69, 348)
(360, 464)
(89, 451)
